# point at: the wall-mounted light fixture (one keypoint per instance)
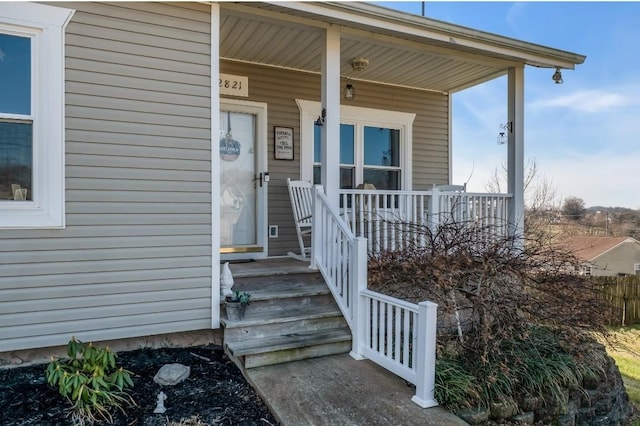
(502, 136)
(349, 92)
(557, 76)
(320, 120)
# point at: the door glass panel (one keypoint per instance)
(15, 74)
(238, 219)
(381, 147)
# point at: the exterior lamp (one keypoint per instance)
(557, 76)
(320, 120)
(502, 136)
(349, 92)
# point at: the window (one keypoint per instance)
(375, 146)
(32, 115)
(636, 268)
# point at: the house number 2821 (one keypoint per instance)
(235, 85)
(230, 84)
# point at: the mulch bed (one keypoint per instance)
(215, 393)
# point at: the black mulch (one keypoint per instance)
(215, 392)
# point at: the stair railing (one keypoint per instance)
(397, 335)
(338, 254)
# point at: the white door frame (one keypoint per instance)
(260, 111)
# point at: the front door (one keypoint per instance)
(243, 188)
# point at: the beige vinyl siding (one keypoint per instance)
(135, 257)
(619, 260)
(279, 88)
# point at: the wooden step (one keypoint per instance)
(259, 317)
(291, 316)
(287, 348)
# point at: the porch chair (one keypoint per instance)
(451, 188)
(301, 196)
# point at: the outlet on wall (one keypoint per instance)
(273, 231)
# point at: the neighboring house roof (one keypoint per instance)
(588, 248)
(404, 49)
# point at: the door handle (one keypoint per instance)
(262, 177)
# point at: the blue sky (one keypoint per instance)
(584, 134)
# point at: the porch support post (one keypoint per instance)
(331, 128)
(515, 153)
(426, 348)
(215, 166)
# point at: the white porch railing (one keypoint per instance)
(390, 220)
(397, 335)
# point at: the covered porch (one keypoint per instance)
(304, 61)
(323, 70)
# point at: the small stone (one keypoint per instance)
(525, 418)
(566, 420)
(530, 403)
(504, 409)
(171, 374)
(474, 416)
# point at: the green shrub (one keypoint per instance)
(90, 381)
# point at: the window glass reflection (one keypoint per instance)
(15, 74)
(381, 146)
(16, 161)
(347, 143)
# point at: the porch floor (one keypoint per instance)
(334, 389)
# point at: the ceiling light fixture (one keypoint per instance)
(359, 64)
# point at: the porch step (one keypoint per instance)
(258, 352)
(291, 316)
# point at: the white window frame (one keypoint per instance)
(45, 26)
(636, 269)
(357, 116)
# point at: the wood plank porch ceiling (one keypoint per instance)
(261, 33)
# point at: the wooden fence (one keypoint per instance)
(623, 295)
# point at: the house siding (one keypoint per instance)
(135, 257)
(619, 260)
(279, 89)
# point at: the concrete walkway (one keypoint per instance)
(338, 390)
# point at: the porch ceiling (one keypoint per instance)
(287, 36)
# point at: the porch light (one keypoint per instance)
(349, 92)
(320, 120)
(502, 136)
(557, 76)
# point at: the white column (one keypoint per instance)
(215, 166)
(331, 128)
(515, 152)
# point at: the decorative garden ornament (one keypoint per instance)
(226, 281)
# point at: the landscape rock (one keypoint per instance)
(474, 416)
(171, 374)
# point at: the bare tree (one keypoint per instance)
(540, 193)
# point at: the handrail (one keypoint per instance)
(395, 334)
(391, 220)
(338, 254)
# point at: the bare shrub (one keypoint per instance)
(490, 287)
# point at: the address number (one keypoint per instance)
(234, 85)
